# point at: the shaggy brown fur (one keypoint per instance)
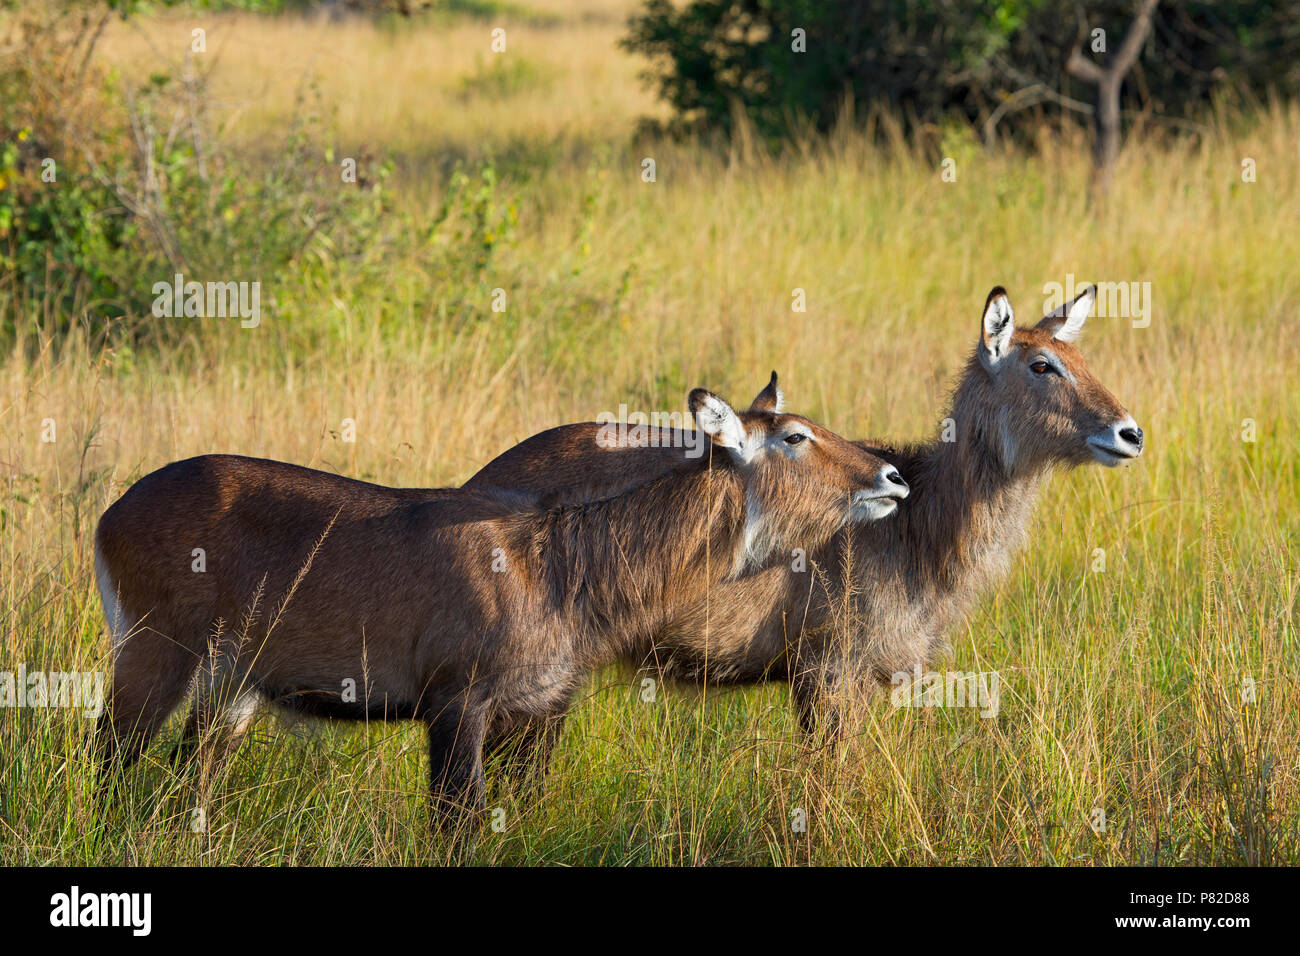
(471, 611)
(891, 590)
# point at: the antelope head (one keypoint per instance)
(802, 481)
(1043, 405)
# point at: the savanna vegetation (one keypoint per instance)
(1145, 640)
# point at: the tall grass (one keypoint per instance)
(1122, 690)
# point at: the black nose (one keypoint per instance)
(895, 478)
(1133, 436)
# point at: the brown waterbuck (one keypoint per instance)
(1025, 403)
(471, 611)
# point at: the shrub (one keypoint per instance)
(141, 189)
(928, 58)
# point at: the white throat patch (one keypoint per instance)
(757, 542)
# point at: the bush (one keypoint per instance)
(106, 189)
(929, 58)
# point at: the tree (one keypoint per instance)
(1108, 82)
(1008, 65)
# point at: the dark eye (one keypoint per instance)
(1041, 367)
(795, 439)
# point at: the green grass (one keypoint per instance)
(1118, 692)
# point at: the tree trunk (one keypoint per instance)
(1109, 83)
(1107, 144)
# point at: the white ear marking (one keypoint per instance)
(1076, 314)
(720, 422)
(999, 326)
(770, 399)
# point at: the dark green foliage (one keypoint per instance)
(928, 58)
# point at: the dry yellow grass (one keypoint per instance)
(419, 92)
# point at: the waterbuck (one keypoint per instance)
(471, 611)
(1025, 403)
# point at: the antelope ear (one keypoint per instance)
(769, 399)
(719, 421)
(998, 327)
(1066, 321)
